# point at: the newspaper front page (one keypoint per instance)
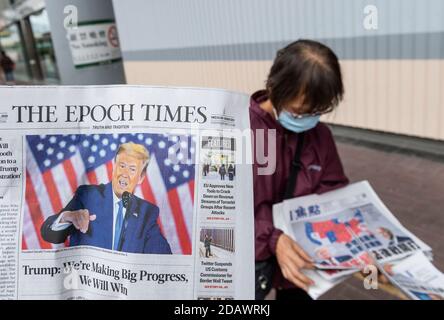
(344, 230)
(325, 225)
(125, 192)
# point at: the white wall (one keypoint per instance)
(394, 75)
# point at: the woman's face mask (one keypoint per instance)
(297, 124)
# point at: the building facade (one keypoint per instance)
(391, 52)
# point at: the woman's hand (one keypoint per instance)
(381, 277)
(292, 259)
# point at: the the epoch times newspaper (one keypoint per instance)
(125, 192)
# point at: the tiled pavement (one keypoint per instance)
(412, 188)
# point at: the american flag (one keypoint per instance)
(57, 164)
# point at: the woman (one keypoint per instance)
(304, 82)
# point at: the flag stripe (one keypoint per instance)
(92, 177)
(24, 245)
(39, 185)
(102, 174)
(52, 190)
(181, 227)
(34, 207)
(62, 184)
(147, 194)
(147, 191)
(29, 229)
(186, 205)
(109, 170)
(191, 186)
(166, 216)
(79, 168)
(70, 174)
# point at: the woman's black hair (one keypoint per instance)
(306, 69)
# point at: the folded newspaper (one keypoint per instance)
(125, 192)
(417, 277)
(345, 230)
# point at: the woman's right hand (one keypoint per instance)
(292, 259)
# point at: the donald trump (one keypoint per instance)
(109, 215)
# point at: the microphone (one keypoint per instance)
(126, 201)
(126, 197)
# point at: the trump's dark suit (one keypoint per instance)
(140, 233)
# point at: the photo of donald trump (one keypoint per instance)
(109, 215)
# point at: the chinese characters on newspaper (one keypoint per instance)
(346, 229)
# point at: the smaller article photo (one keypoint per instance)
(218, 159)
(217, 243)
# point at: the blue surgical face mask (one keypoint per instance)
(297, 124)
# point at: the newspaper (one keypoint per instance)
(321, 285)
(417, 277)
(345, 230)
(125, 192)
